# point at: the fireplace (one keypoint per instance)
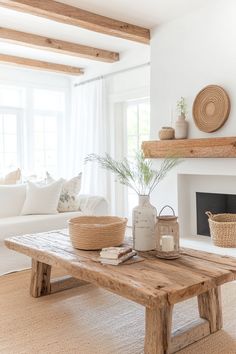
(216, 193)
(214, 202)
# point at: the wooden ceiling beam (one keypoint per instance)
(40, 65)
(58, 46)
(71, 15)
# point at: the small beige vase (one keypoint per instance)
(181, 127)
(144, 222)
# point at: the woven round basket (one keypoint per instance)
(223, 229)
(96, 232)
(166, 133)
(211, 108)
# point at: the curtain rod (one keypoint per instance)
(111, 74)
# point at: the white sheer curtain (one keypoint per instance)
(89, 134)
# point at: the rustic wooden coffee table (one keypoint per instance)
(154, 283)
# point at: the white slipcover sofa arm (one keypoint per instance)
(93, 205)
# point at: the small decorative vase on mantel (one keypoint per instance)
(144, 221)
(181, 125)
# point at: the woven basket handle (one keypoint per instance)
(167, 206)
(209, 214)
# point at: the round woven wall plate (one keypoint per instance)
(211, 108)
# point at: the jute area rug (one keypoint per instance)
(89, 320)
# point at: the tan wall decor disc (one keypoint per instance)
(211, 108)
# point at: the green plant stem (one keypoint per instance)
(137, 175)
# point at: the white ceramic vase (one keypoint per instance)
(144, 220)
(181, 127)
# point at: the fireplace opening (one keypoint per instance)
(214, 202)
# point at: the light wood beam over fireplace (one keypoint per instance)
(191, 148)
(40, 65)
(56, 45)
(71, 15)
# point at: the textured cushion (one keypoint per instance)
(42, 199)
(12, 177)
(69, 194)
(11, 200)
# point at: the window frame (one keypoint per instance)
(127, 104)
(130, 192)
(18, 112)
(59, 117)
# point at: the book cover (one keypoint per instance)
(119, 260)
(115, 252)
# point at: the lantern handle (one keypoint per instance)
(209, 214)
(167, 206)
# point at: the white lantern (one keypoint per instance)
(167, 235)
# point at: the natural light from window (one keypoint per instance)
(8, 140)
(31, 129)
(138, 130)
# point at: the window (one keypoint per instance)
(10, 146)
(138, 125)
(49, 100)
(31, 129)
(45, 154)
(138, 130)
(48, 108)
(11, 96)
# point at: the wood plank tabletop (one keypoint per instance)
(150, 282)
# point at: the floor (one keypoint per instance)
(11, 261)
(90, 320)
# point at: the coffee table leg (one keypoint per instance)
(209, 305)
(40, 279)
(158, 330)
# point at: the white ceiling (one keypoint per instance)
(148, 13)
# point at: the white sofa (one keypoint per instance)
(12, 223)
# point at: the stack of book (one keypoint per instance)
(116, 255)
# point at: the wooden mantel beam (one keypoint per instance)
(191, 148)
(56, 45)
(40, 65)
(71, 15)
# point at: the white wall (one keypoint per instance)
(190, 53)
(187, 54)
(130, 84)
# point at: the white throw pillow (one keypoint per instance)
(42, 199)
(12, 200)
(69, 194)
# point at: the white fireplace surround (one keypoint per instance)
(211, 175)
(188, 185)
